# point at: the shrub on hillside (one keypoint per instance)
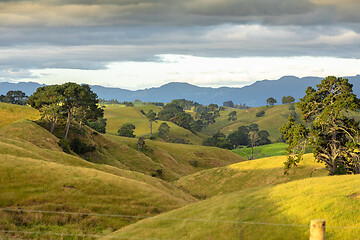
(260, 114)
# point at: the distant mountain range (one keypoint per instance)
(252, 95)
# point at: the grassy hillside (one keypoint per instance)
(34, 184)
(36, 174)
(10, 113)
(117, 115)
(174, 160)
(235, 215)
(273, 119)
(270, 150)
(244, 175)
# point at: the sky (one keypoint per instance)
(137, 44)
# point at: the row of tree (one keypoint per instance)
(249, 136)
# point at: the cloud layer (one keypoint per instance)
(91, 34)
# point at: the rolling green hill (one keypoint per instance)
(279, 212)
(117, 115)
(162, 183)
(174, 160)
(35, 174)
(244, 175)
(10, 113)
(274, 118)
(269, 150)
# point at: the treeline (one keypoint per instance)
(249, 136)
(14, 97)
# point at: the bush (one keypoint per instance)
(260, 114)
(127, 130)
(194, 163)
(64, 145)
(79, 147)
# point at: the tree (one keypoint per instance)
(271, 101)
(288, 99)
(76, 102)
(333, 136)
(169, 111)
(14, 97)
(213, 106)
(239, 137)
(253, 139)
(48, 101)
(79, 103)
(99, 125)
(164, 129)
(263, 138)
(228, 104)
(197, 126)
(182, 119)
(127, 130)
(151, 116)
(218, 140)
(232, 116)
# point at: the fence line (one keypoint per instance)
(75, 235)
(169, 218)
(52, 233)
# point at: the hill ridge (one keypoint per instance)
(253, 95)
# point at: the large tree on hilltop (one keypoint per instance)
(70, 99)
(333, 136)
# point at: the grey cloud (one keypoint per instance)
(171, 12)
(94, 48)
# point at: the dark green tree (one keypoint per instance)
(232, 116)
(169, 111)
(98, 125)
(182, 119)
(79, 103)
(213, 106)
(197, 126)
(48, 100)
(218, 140)
(163, 130)
(288, 99)
(127, 130)
(70, 100)
(271, 101)
(228, 104)
(239, 137)
(14, 97)
(333, 136)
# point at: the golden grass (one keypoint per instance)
(335, 199)
(10, 113)
(29, 183)
(247, 174)
(175, 160)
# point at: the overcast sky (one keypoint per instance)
(136, 44)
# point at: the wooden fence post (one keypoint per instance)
(317, 230)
